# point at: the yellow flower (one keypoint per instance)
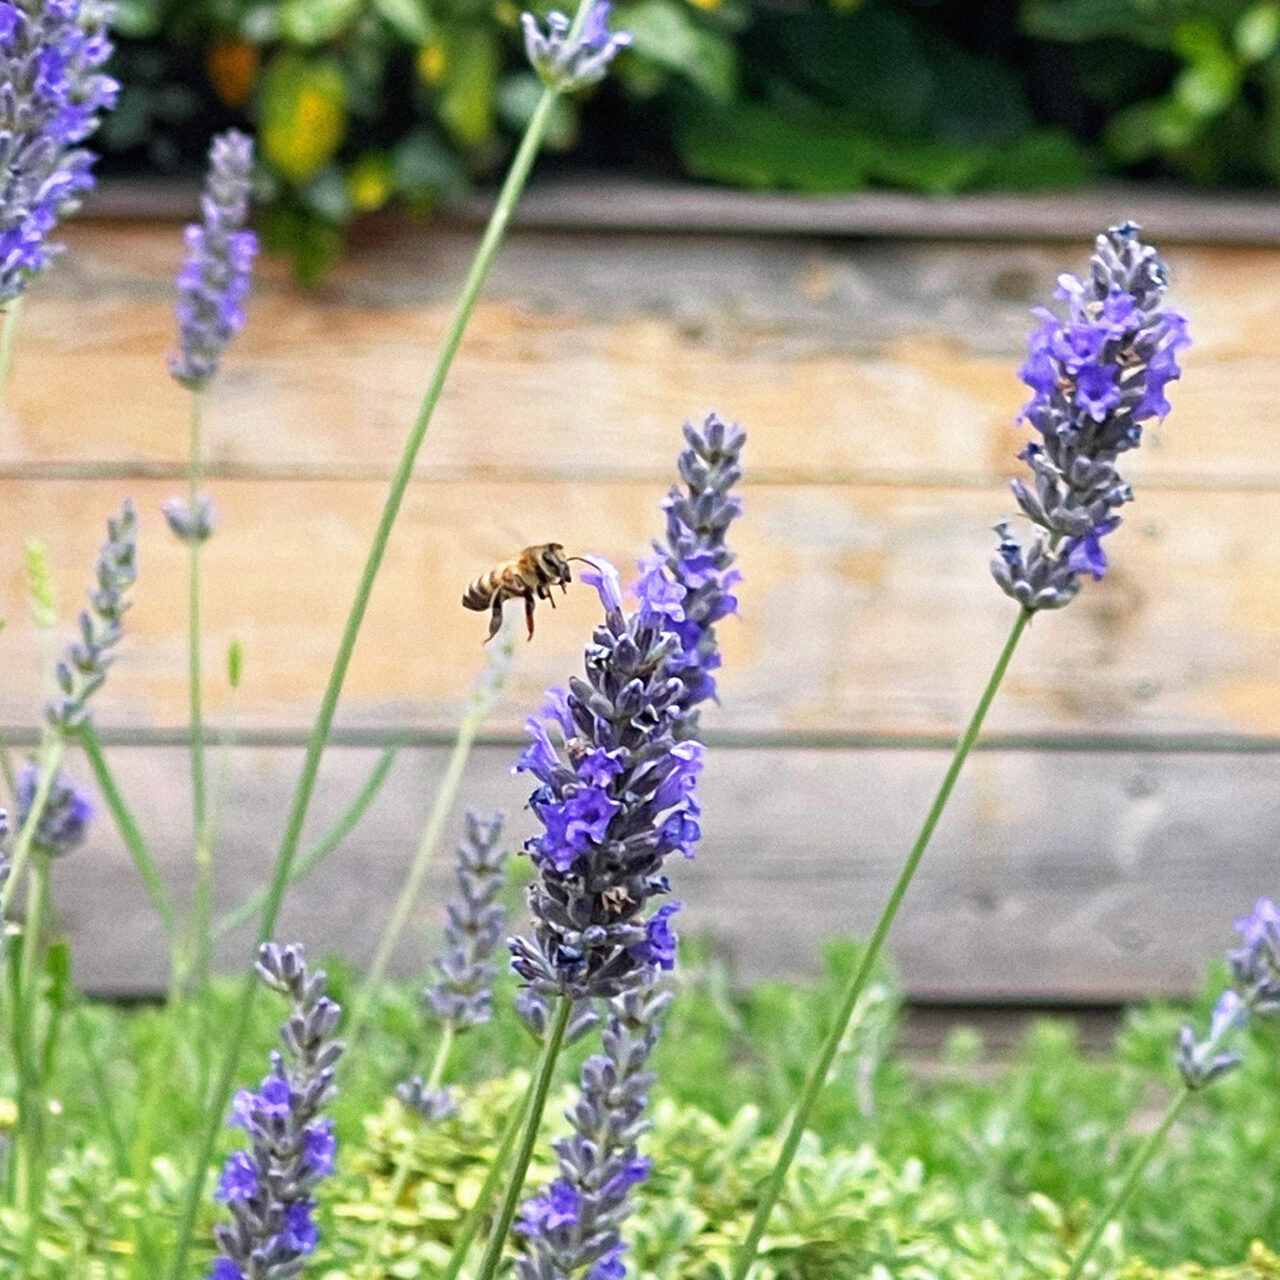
(369, 183)
(303, 116)
(432, 62)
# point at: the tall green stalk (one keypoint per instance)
(493, 235)
(194, 687)
(1141, 1158)
(475, 1215)
(821, 1066)
(483, 698)
(539, 1087)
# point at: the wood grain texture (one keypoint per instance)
(878, 383)
(864, 609)
(1055, 875)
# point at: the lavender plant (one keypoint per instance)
(269, 1187)
(573, 1226)
(566, 58)
(64, 821)
(51, 54)
(513, 185)
(618, 771)
(1096, 378)
(1255, 967)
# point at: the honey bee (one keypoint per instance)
(528, 576)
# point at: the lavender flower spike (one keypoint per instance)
(1255, 966)
(51, 94)
(690, 576)
(268, 1187)
(64, 821)
(462, 996)
(617, 766)
(83, 667)
(214, 280)
(1096, 377)
(566, 64)
(572, 1227)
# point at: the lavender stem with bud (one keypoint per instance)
(269, 1187)
(1096, 378)
(566, 60)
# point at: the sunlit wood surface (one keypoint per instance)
(1129, 805)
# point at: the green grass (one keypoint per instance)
(958, 1174)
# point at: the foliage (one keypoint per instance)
(908, 1172)
(359, 103)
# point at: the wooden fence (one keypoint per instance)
(1127, 802)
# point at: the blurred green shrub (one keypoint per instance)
(364, 102)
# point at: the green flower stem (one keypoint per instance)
(539, 1087)
(494, 232)
(127, 826)
(8, 336)
(330, 841)
(46, 772)
(475, 1215)
(400, 1178)
(821, 1067)
(1141, 1158)
(482, 701)
(194, 690)
(31, 1119)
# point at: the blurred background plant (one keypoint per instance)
(361, 103)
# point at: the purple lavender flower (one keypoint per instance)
(690, 576)
(83, 667)
(268, 1187)
(214, 280)
(572, 1228)
(566, 64)
(462, 996)
(614, 755)
(1096, 377)
(1255, 966)
(51, 94)
(64, 821)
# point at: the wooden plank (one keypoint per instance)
(637, 204)
(1054, 876)
(866, 363)
(864, 610)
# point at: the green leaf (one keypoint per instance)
(424, 166)
(137, 19)
(1257, 33)
(1041, 160)
(467, 101)
(409, 18)
(302, 112)
(1207, 87)
(667, 33)
(311, 22)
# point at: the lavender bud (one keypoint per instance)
(567, 64)
(64, 820)
(431, 1104)
(214, 280)
(534, 1012)
(268, 1187)
(690, 577)
(1095, 377)
(573, 1227)
(192, 523)
(1256, 964)
(51, 95)
(1202, 1062)
(83, 667)
(463, 994)
(5, 864)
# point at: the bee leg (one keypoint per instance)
(495, 619)
(551, 600)
(528, 612)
